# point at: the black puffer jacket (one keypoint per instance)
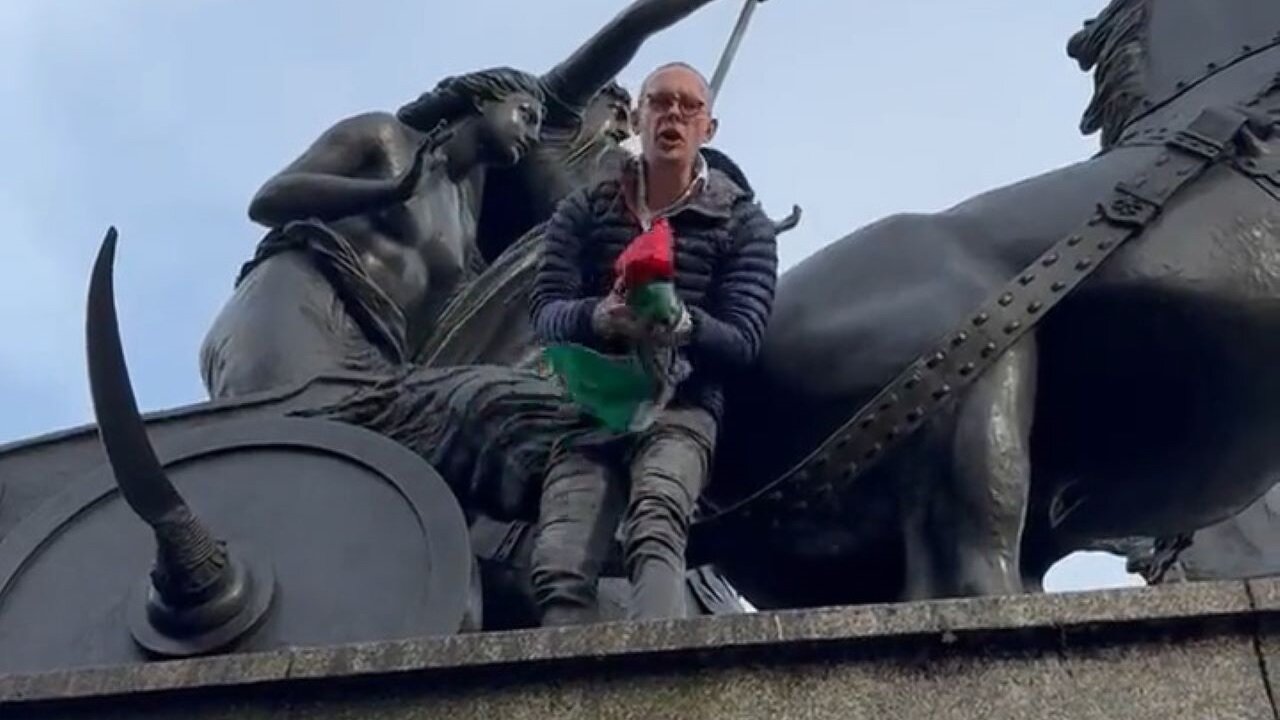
(726, 272)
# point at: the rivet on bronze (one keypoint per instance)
(1058, 286)
(915, 414)
(850, 470)
(867, 422)
(1027, 279)
(888, 402)
(988, 350)
(935, 361)
(1035, 307)
(1181, 84)
(1006, 299)
(1074, 240)
(1104, 245)
(1013, 327)
(1212, 66)
(911, 382)
(1084, 264)
(891, 433)
(981, 319)
(959, 339)
(941, 392)
(874, 450)
(1246, 48)
(1049, 259)
(967, 369)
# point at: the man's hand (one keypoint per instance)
(676, 333)
(612, 319)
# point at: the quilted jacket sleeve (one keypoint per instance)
(560, 311)
(730, 332)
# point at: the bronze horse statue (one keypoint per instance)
(1144, 404)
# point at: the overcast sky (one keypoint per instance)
(163, 118)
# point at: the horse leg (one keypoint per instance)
(964, 530)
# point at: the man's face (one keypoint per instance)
(675, 117)
(510, 127)
(607, 116)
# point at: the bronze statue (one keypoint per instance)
(373, 227)
(1129, 301)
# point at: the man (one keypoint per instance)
(726, 261)
(373, 227)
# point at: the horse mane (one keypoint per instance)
(1114, 46)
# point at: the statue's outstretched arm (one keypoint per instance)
(325, 183)
(576, 80)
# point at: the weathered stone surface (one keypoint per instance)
(1266, 597)
(1269, 660)
(1187, 651)
(1265, 593)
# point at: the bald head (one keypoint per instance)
(679, 66)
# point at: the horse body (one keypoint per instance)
(1144, 404)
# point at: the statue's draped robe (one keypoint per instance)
(488, 430)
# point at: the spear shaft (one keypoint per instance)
(731, 49)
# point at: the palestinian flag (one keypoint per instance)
(620, 390)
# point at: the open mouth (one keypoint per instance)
(670, 136)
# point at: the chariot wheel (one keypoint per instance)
(349, 537)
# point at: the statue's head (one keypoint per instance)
(505, 105)
(1147, 55)
(1113, 45)
(674, 116)
(608, 115)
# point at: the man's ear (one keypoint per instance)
(712, 126)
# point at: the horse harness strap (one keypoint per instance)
(931, 382)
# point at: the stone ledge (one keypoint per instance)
(960, 623)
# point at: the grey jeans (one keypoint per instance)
(585, 496)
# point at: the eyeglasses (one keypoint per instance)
(688, 107)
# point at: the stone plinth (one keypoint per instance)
(1196, 651)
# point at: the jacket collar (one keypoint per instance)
(711, 195)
